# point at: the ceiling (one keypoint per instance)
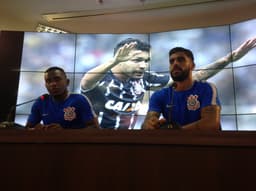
(122, 16)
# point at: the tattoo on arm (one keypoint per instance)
(215, 67)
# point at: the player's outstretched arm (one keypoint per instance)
(93, 76)
(215, 67)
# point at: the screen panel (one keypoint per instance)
(244, 75)
(95, 49)
(246, 122)
(228, 122)
(42, 50)
(240, 33)
(204, 43)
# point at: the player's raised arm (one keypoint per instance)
(92, 77)
(215, 67)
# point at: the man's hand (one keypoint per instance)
(46, 127)
(152, 121)
(243, 49)
(126, 52)
(6, 124)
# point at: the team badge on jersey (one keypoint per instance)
(138, 87)
(193, 103)
(69, 113)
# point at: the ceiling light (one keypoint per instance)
(44, 28)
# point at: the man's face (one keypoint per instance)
(55, 82)
(136, 66)
(180, 66)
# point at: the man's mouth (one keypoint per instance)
(176, 71)
(55, 90)
(137, 73)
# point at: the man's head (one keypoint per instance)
(136, 59)
(56, 81)
(181, 63)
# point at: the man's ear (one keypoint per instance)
(193, 66)
(68, 81)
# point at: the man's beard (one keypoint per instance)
(183, 76)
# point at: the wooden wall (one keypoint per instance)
(10, 59)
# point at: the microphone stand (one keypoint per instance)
(9, 123)
(10, 116)
(170, 123)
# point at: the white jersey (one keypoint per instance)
(117, 103)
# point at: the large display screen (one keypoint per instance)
(78, 54)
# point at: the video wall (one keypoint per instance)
(78, 54)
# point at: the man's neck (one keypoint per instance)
(184, 85)
(62, 97)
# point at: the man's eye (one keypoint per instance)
(53, 80)
(141, 60)
(179, 59)
(57, 79)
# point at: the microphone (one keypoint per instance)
(170, 124)
(9, 123)
(174, 85)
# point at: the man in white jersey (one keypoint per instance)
(117, 87)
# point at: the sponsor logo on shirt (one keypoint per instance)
(121, 106)
(69, 113)
(193, 103)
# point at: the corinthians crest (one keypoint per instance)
(69, 113)
(137, 87)
(193, 103)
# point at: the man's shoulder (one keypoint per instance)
(77, 96)
(162, 90)
(204, 86)
(204, 83)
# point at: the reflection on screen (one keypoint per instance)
(79, 53)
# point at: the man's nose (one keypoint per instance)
(176, 61)
(53, 83)
(173, 64)
(143, 64)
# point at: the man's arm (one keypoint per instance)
(152, 121)
(92, 77)
(94, 123)
(210, 119)
(29, 125)
(215, 67)
(41, 126)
